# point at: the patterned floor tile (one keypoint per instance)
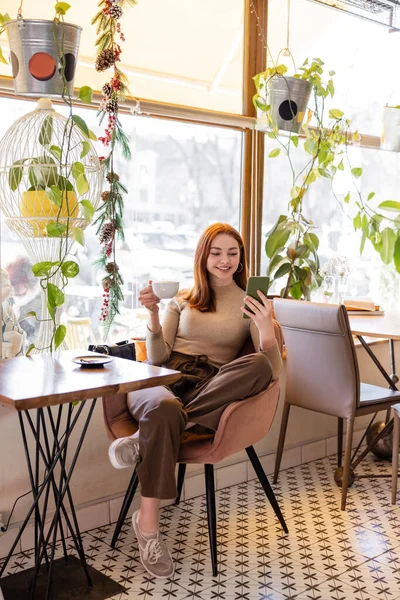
(328, 554)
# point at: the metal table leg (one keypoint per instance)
(50, 455)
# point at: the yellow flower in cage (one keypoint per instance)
(36, 203)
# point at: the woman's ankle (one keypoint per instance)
(147, 526)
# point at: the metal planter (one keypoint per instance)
(40, 51)
(288, 98)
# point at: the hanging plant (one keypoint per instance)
(49, 190)
(109, 219)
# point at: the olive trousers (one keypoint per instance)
(162, 418)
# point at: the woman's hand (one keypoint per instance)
(148, 299)
(261, 314)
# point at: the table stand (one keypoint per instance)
(391, 381)
(50, 450)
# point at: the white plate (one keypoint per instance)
(91, 361)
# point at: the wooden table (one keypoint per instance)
(53, 379)
(379, 326)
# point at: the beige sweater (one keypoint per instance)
(220, 335)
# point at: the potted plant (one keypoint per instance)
(50, 185)
(292, 244)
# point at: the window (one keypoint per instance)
(333, 218)
(360, 52)
(180, 51)
(192, 178)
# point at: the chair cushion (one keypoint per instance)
(369, 394)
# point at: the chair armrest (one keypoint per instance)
(245, 422)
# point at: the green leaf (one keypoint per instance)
(357, 221)
(82, 184)
(87, 209)
(77, 169)
(54, 194)
(42, 269)
(282, 271)
(31, 313)
(311, 240)
(56, 152)
(335, 113)
(302, 251)
(296, 291)
(70, 269)
(15, 174)
(55, 297)
(310, 146)
(92, 136)
(311, 177)
(79, 122)
(371, 195)
(295, 140)
(357, 172)
(29, 350)
(341, 166)
(55, 229)
(276, 240)
(62, 7)
(46, 131)
(274, 152)
(346, 199)
(388, 237)
(86, 94)
(391, 205)
(396, 254)
(85, 149)
(59, 336)
(79, 236)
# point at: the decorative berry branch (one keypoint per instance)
(110, 214)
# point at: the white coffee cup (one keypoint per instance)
(165, 289)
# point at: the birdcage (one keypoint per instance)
(48, 166)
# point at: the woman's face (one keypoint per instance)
(223, 259)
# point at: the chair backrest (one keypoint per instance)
(322, 368)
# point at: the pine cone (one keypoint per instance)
(106, 233)
(112, 177)
(105, 59)
(111, 267)
(106, 283)
(107, 90)
(105, 196)
(111, 105)
(115, 12)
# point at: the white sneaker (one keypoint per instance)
(124, 452)
(153, 551)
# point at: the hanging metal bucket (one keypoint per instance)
(40, 51)
(288, 98)
(390, 139)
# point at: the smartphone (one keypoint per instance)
(254, 284)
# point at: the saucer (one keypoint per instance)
(92, 362)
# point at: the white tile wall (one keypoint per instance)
(313, 451)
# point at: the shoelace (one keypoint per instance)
(152, 551)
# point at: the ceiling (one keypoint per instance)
(180, 51)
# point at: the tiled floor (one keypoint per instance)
(328, 554)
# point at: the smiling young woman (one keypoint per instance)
(201, 335)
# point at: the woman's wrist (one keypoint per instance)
(154, 324)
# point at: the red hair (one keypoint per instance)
(202, 296)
